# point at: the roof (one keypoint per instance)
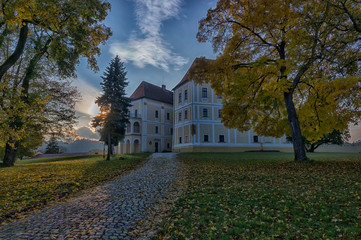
(151, 91)
(186, 76)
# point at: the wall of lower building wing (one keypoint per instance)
(148, 137)
(189, 133)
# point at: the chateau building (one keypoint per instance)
(198, 126)
(151, 120)
(194, 112)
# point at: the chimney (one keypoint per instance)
(163, 87)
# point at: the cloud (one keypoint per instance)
(148, 51)
(87, 133)
(151, 49)
(151, 13)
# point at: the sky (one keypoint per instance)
(156, 40)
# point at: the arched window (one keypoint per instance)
(128, 128)
(136, 128)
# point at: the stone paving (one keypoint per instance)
(105, 212)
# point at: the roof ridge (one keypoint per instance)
(152, 91)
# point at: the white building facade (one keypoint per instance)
(198, 126)
(151, 120)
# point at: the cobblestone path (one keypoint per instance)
(105, 212)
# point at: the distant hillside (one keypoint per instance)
(82, 145)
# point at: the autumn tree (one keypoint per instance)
(335, 137)
(113, 104)
(284, 67)
(57, 32)
(31, 142)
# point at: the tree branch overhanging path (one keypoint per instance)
(284, 67)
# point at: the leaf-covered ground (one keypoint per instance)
(31, 184)
(268, 196)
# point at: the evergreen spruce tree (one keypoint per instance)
(113, 104)
(52, 147)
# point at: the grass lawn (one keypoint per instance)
(268, 196)
(31, 184)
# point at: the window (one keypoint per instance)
(171, 131)
(156, 114)
(219, 113)
(180, 98)
(221, 138)
(205, 138)
(180, 139)
(128, 128)
(255, 139)
(180, 116)
(135, 113)
(204, 93)
(205, 113)
(185, 94)
(185, 114)
(186, 139)
(168, 116)
(136, 128)
(156, 129)
(168, 145)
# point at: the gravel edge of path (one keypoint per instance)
(37, 209)
(148, 228)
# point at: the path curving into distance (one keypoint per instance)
(105, 212)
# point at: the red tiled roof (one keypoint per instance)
(148, 90)
(185, 78)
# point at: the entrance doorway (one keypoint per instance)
(136, 146)
(156, 147)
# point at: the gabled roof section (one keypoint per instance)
(151, 91)
(186, 76)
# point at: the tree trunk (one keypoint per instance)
(10, 61)
(298, 144)
(312, 148)
(10, 152)
(109, 147)
(10, 155)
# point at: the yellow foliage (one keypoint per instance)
(269, 49)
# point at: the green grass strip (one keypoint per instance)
(268, 196)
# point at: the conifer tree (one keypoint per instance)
(113, 104)
(52, 147)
